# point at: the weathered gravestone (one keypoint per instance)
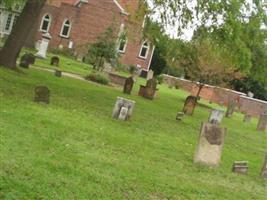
(240, 167)
(58, 73)
(264, 168)
(189, 105)
(46, 37)
(230, 109)
(41, 94)
(247, 118)
(149, 90)
(262, 122)
(179, 116)
(128, 85)
(150, 74)
(210, 144)
(26, 60)
(54, 61)
(123, 109)
(216, 116)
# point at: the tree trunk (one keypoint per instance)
(19, 33)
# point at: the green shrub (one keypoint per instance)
(160, 79)
(177, 85)
(98, 78)
(64, 52)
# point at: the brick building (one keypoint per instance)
(73, 24)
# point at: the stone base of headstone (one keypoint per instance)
(262, 123)
(240, 167)
(189, 105)
(264, 168)
(179, 116)
(58, 73)
(123, 109)
(41, 94)
(216, 116)
(247, 118)
(210, 145)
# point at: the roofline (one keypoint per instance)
(120, 7)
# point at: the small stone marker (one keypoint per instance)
(179, 116)
(264, 168)
(189, 105)
(150, 74)
(230, 109)
(128, 85)
(54, 61)
(58, 73)
(262, 122)
(216, 116)
(149, 90)
(123, 109)
(247, 118)
(26, 60)
(240, 167)
(41, 94)
(210, 144)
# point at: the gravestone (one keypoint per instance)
(247, 118)
(149, 90)
(150, 75)
(128, 85)
(179, 116)
(54, 61)
(58, 73)
(216, 116)
(210, 144)
(189, 105)
(240, 167)
(230, 109)
(26, 60)
(262, 122)
(123, 109)
(46, 37)
(264, 168)
(41, 94)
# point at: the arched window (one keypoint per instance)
(144, 50)
(65, 30)
(45, 25)
(122, 45)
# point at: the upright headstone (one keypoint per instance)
(150, 74)
(264, 168)
(179, 116)
(240, 167)
(216, 116)
(58, 73)
(210, 144)
(189, 105)
(41, 94)
(149, 90)
(26, 60)
(247, 118)
(54, 61)
(123, 109)
(262, 122)
(46, 37)
(128, 85)
(230, 108)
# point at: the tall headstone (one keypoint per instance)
(210, 144)
(41, 94)
(230, 108)
(216, 116)
(26, 60)
(46, 37)
(247, 118)
(150, 74)
(128, 85)
(264, 168)
(262, 122)
(149, 90)
(54, 61)
(189, 105)
(123, 109)
(240, 167)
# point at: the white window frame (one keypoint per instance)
(125, 45)
(147, 50)
(62, 28)
(49, 23)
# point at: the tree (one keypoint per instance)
(104, 49)
(19, 33)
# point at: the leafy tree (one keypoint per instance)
(104, 49)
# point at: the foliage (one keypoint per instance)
(160, 79)
(98, 77)
(103, 50)
(64, 52)
(132, 69)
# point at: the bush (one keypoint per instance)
(98, 78)
(64, 52)
(160, 79)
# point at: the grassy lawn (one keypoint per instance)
(73, 149)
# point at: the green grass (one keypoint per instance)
(73, 149)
